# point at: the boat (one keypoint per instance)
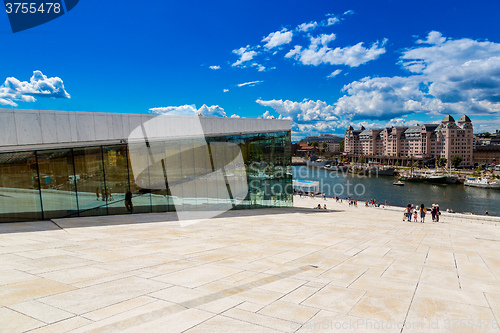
(439, 178)
(313, 161)
(398, 183)
(339, 167)
(483, 182)
(381, 171)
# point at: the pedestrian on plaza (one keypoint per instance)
(324, 206)
(128, 202)
(97, 193)
(423, 210)
(433, 212)
(437, 213)
(408, 213)
(415, 215)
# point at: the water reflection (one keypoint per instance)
(457, 197)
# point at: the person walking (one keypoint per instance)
(128, 202)
(423, 210)
(433, 212)
(437, 213)
(415, 215)
(408, 213)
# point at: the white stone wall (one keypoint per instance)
(19, 127)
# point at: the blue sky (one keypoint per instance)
(323, 64)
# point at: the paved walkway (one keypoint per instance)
(271, 270)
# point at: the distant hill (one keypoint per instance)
(323, 137)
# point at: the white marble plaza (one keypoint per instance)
(345, 269)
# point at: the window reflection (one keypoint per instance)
(183, 175)
(57, 183)
(19, 191)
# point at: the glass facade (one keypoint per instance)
(182, 175)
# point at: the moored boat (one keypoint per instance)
(339, 167)
(317, 162)
(382, 171)
(483, 182)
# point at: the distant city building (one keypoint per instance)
(420, 142)
(332, 143)
(333, 147)
(488, 138)
(303, 149)
(487, 154)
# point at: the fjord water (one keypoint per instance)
(460, 198)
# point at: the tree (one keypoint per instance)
(396, 164)
(315, 144)
(479, 169)
(442, 161)
(341, 145)
(324, 144)
(361, 159)
(456, 160)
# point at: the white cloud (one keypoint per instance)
(294, 52)
(434, 37)
(214, 67)
(190, 110)
(39, 85)
(235, 116)
(266, 115)
(259, 67)
(319, 53)
(245, 53)
(349, 12)
(250, 84)
(332, 20)
(226, 90)
(305, 27)
(307, 111)
(334, 73)
(275, 39)
(402, 122)
(449, 76)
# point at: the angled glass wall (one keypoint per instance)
(19, 187)
(57, 183)
(199, 174)
(89, 176)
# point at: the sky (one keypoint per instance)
(323, 64)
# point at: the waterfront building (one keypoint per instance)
(487, 154)
(56, 164)
(418, 143)
(302, 149)
(333, 147)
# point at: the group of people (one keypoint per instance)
(105, 194)
(415, 212)
(319, 206)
